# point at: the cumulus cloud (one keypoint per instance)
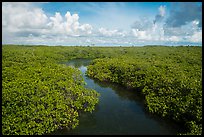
(146, 29)
(26, 23)
(19, 16)
(157, 30)
(25, 19)
(183, 13)
(196, 37)
(141, 35)
(160, 16)
(68, 26)
(154, 33)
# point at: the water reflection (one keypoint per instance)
(120, 111)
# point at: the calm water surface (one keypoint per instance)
(119, 111)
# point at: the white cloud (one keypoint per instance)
(19, 16)
(23, 19)
(86, 28)
(153, 33)
(173, 38)
(141, 35)
(111, 33)
(187, 33)
(55, 24)
(69, 25)
(196, 37)
(146, 30)
(26, 23)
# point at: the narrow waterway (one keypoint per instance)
(119, 111)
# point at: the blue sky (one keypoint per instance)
(102, 23)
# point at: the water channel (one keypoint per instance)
(119, 111)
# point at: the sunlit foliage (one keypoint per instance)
(168, 77)
(40, 95)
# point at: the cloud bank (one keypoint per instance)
(26, 23)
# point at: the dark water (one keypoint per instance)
(119, 111)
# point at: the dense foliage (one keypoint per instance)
(168, 77)
(40, 95)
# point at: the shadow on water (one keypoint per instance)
(119, 111)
